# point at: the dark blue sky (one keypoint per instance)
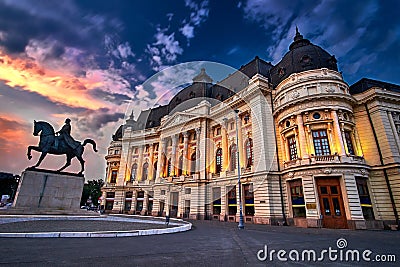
(87, 59)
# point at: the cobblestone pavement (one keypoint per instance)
(207, 244)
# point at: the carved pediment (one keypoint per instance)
(178, 118)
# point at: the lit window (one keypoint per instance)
(321, 143)
(133, 172)
(145, 171)
(113, 179)
(249, 153)
(193, 163)
(292, 147)
(233, 151)
(349, 143)
(218, 160)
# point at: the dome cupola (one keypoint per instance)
(302, 56)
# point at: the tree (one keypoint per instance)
(91, 189)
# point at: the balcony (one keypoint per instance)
(324, 159)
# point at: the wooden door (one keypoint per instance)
(331, 203)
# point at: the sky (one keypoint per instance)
(91, 61)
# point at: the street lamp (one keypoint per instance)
(241, 221)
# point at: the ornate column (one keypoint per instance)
(240, 147)
(151, 162)
(185, 153)
(394, 130)
(161, 157)
(303, 152)
(198, 131)
(174, 154)
(140, 164)
(339, 137)
(225, 152)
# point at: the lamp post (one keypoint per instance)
(241, 221)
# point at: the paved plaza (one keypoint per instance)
(209, 243)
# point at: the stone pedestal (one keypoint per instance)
(43, 191)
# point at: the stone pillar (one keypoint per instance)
(198, 132)
(224, 209)
(174, 155)
(225, 150)
(133, 204)
(167, 202)
(303, 152)
(161, 158)
(338, 135)
(185, 153)
(151, 162)
(145, 203)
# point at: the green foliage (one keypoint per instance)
(91, 189)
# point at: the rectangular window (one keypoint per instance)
(114, 174)
(188, 190)
(116, 152)
(162, 192)
(297, 198)
(321, 143)
(110, 194)
(129, 194)
(232, 207)
(216, 200)
(365, 199)
(248, 199)
(349, 143)
(292, 147)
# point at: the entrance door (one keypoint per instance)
(331, 203)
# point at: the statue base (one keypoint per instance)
(48, 192)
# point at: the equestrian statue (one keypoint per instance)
(58, 143)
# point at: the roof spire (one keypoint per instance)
(298, 36)
(202, 77)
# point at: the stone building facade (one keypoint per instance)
(310, 150)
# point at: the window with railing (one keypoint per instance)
(321, 143)
(292, 147)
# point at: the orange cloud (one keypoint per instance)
(56, 85)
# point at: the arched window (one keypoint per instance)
(233, 153)
(193, 163)
(180, 166)
(133, 172)
(169, 168)
(249, 153)
(145, 171)
(218, 160)
(155, 170)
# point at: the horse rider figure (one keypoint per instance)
(65, 134)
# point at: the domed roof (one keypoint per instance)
(302, 56)
(118, 134)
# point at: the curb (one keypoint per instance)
(182, 228)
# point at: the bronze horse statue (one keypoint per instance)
(47, 146)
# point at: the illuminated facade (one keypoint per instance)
(313, 152)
